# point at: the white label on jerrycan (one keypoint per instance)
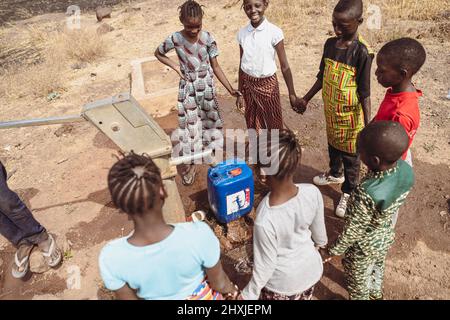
(238, 201)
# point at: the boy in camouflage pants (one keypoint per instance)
(369, 232)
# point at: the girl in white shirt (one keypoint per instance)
(259, 41)
(289, 227)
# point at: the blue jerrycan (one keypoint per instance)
(230, 190)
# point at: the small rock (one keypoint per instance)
(53, 96)
(78, 65)
(7, 148)
(103, 13)
(37, 262)
(119, 65)
(131, 9)
(160, 23)
(443, 214)
(1, 262)
(93, 74)
(104, 28)
(64, 130)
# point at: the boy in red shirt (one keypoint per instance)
(398, 61)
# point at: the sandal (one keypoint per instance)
(53, 257)
(188, 178)
(20, 268)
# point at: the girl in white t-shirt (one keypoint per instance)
(289, 226)
(259, 41)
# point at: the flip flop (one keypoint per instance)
(23, 265)
(53, 257)
(188, 179)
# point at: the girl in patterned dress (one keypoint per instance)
(200, 123)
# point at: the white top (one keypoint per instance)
(259, 44)
(285, 258)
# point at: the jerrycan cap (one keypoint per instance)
(236, 172)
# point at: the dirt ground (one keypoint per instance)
(60, 171)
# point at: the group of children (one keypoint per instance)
(182, 261)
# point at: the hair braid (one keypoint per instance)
(134, 182)
(190, 9)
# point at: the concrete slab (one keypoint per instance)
(154, 85)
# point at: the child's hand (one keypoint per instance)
(235, 93)
(300, 105)
(240, 104)
(326, 257)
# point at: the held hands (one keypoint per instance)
(240, 104)
(298, 104)
(326, 257)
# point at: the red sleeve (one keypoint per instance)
(405, 121)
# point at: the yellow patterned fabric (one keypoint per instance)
(343, 110)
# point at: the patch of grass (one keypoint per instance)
(68, 255)
(83, 45)
(286, 12)
(416, 9)
(38, 80)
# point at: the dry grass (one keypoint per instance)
(416, 9)
(83, 45)
(39, 61)
(285, 12)
(38, 80)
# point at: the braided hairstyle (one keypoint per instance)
(134, 183)
(190, 9)
(288, 152)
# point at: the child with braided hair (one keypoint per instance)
(146, 264)
(200, 123)
(289, 226)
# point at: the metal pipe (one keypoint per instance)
(189, 159)
(41, 122)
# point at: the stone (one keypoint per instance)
(103, 13)
(1, 263)
(104, 28)
(78, 65)
(37, 262)
(64, 130)
(132, 9)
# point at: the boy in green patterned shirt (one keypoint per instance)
(369, 232)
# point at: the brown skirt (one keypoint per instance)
(262, 102)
